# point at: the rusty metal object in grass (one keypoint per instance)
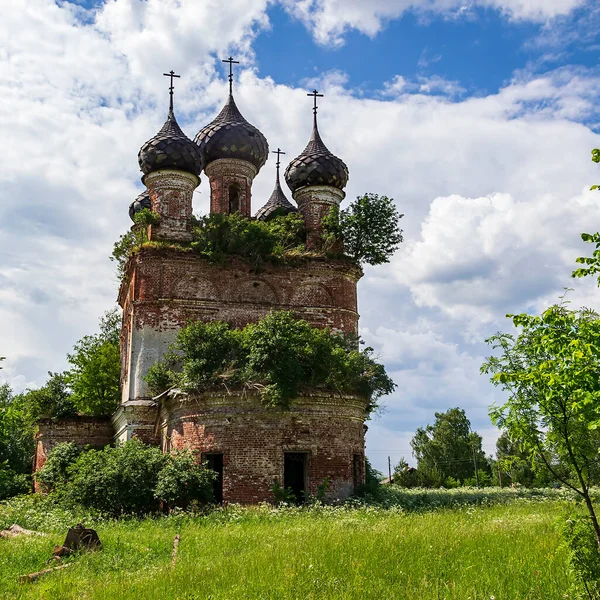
(33, 576)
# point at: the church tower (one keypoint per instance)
(166, 285)
(234, 152)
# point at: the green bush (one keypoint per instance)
(584, 557)
(54, 472)
(278, 356)
(117, 480)
(183, 480)
(13, 483)
(217, 236)
(129, 479)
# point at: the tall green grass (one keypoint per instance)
(503, 551)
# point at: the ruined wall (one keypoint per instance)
(96, 432)
(166, 289)
(253, 440)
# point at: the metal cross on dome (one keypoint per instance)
(279, 152)
(315, 94)
(172, 75)
(231, 63)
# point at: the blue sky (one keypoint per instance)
(478, 117)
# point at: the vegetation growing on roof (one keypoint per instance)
(277, 357)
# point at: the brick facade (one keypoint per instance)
(253, 440)
(231, 185)
(315, 202)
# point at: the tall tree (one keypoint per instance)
(551, 374)
(448, 448)
(96, 368)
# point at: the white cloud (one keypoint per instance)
(329, 20)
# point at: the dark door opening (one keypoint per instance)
(215, 463)
(294, 474)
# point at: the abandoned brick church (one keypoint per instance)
(322, 434)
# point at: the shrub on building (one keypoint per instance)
(276, 357)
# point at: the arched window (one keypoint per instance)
(234, 198)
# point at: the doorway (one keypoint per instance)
(215, 463)
(294, 474)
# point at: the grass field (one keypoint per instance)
(502, 551)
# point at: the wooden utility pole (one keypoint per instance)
(390, 470)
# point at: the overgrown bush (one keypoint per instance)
(217, 236)
(278, 356)
(117, 480)
(584, 557)
(53, 474)
(129, 479)
(183, 480)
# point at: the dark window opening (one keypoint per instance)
(294, 474)
(234, 199)
(215, 463)
(356, 470)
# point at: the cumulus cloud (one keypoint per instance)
(329, 20)
(489, 185)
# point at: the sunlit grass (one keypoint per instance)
(502, 552)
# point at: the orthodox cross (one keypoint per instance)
(231, 63)
(172, 75)
(315, 94)
(278, 152)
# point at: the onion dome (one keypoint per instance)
(277, 205)
(316, 165)
(141, 202)
(170, 148)
(231, 136)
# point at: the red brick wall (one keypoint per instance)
(253, 440)
(168, 288)
(224, 174)
(96, 432)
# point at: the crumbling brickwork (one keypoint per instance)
(254, 439)
(165, 289)
(315, 202)
(231, 186)
(95, 432)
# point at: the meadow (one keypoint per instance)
(479, 544)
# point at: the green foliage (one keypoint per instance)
(282, 495)
(184, 480)
(16, 445)
(217, 236)
(131, 241)
(551, 373)
(581, 544)
(508, 551)
(276, 356)
(592, 262)
(96, 368)
(116, 481)
(54, 399)
(53, 475)
(369, 228)
(445, 449)
(130, 479)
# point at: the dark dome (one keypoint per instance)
(142, 201)
(231, 136)
(316, 166)
(277, 205)
(170, 148)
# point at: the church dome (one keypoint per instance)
(277, 205)
(316, 165)
(141, 202)
(170, 148)
(229, 135)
